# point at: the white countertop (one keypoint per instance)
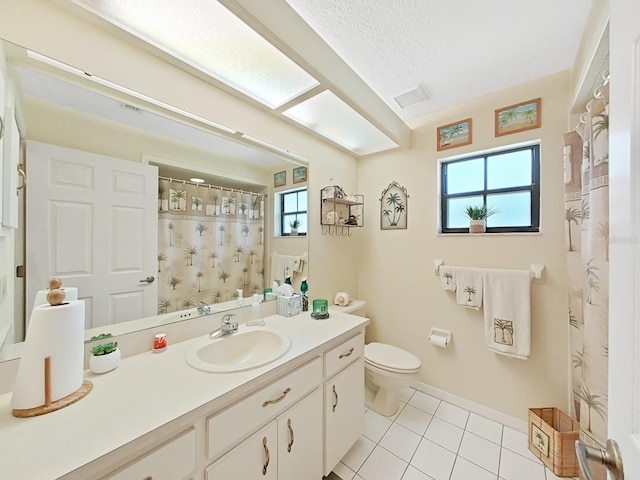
(144, 393)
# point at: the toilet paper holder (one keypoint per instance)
(438, 332)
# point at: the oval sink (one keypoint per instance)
(239, 351)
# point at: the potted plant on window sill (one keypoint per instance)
(294, 224)
(105, 356)
(478, 215)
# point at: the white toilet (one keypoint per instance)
(387, 369)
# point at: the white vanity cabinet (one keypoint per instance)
(174, 460)
(288, 448)
(293, 420)
(343, 399)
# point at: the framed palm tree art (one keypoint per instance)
(455, 134)
(518, 117)
(393, 207)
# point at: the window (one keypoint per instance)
(508, 181)
(293, 206)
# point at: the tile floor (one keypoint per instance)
(429, 439)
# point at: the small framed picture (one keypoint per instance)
(280, 179)
(519, 117)
(454, 134)
(299, 174)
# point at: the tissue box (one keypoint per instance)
(289, 306)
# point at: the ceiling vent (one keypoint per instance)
(411, 97)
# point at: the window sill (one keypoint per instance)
(488, 234)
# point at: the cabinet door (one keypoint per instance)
(300, 440)
(255, 458)
(343, 413)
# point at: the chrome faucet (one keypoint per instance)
(204, 309)
(227, 327)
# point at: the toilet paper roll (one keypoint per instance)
(439, 341)
(56, 332)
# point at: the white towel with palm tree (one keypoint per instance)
(507, 312)
(285, 266)
(469, 287)
(447, 278)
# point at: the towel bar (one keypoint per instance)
(535, 269)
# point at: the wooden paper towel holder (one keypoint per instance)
(50, 406)
(55, 297)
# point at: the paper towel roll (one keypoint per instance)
(56, 332)
(439, 341)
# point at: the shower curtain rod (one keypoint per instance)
(208, 186)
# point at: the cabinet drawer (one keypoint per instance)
(174, 460)
(343, 355)
(230, 425)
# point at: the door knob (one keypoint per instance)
(610, 457)
(149, 279)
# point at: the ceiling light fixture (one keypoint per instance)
(196, 180)
(127, 91)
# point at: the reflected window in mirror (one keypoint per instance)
(292, 216)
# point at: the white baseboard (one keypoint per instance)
(478, 409)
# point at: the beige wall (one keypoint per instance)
(46, 28)
(396, 274)
(287, 245)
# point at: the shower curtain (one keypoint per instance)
(586, 210)
(211, 243)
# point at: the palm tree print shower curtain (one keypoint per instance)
(211, 244)
(586, 210)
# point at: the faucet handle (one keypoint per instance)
(227, 318)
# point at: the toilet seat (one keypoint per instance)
(390, 358)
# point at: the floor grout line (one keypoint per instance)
(422, 437)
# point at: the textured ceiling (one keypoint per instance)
(456, 50)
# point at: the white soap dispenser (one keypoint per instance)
(255, 316)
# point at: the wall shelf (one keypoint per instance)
(339, 212)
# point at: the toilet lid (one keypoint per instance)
(390, 357)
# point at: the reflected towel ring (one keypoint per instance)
(583, 118)
(598, 92)
(589, 105)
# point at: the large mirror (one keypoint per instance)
(216, 209)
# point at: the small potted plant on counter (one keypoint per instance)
(104, 356)
(478, 215)
(295, 224)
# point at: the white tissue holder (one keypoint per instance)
(446, 334)
(289, 306)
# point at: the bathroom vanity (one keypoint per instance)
(157, 418)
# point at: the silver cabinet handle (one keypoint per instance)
(335, 397)
(266, 456)
(609, 457)
(149, 279)
(346, 354)
(276, 400)
(290, 444)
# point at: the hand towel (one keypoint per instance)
(447, 278)
(507, 312)
(284, 266)
(469, 287)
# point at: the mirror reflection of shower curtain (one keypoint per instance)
(210, 245)
(586, 210)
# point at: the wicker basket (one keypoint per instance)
(552, 438)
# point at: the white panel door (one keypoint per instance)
(92, 221)
(624, 182)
